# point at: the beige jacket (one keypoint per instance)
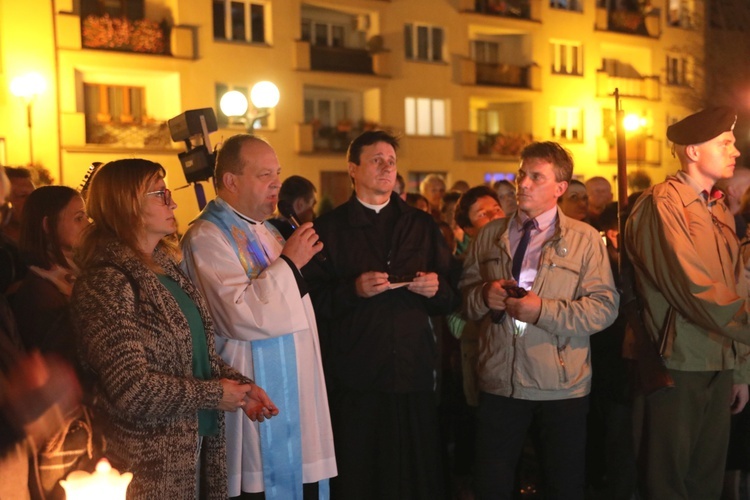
(551, 359)
(688, 257)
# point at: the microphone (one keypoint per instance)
(287, 210)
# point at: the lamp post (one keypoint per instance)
(264, 96)
(27, 87)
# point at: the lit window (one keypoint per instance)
(242, 21)
(423, 43)
(566, 123)
(114, 103)
(426, 117)
(567, 58)
(680, 14)
(574, 5)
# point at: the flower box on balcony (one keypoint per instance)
(105, 32)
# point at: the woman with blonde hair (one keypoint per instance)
(146, 338)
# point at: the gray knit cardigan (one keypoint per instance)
(139, 353)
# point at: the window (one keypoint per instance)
(566, 123)
(223, 120)
(427, 117)
(423, 43)
(680, 14)
(327, 112)
(488, 122)
(243, 21)
(485, 51)
(114, 103)
(574, 5)
(567, 58)
(678, 70)
(326, 34)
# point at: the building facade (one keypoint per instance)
(465, 83)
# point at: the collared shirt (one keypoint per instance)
(544, 230)
(709, 198)
(376, 208)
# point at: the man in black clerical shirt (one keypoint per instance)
(383, 277)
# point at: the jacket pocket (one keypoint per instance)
(491, 267)
(562, 278)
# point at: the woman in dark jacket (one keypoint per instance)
(51, 226)
(146, 337)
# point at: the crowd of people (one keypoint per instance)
(400, 346)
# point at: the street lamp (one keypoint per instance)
(27, 87)
(264, 96)
(637, 124)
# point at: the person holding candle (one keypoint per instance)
(147, 339)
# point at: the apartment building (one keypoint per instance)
(466, 83)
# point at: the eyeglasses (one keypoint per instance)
(166, 195)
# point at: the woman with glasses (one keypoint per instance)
(146, 338)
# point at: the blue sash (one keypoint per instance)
(275, 365)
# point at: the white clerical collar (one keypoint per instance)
(376, 208)
(243, 217)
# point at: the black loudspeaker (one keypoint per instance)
(197, 164)
(188, 124)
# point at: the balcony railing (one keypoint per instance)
(146, 135)
(315, 57)
(639, 151)
(120, 34)
(646, 87)
(630, 22)
(479, 145)
(316, 138)
(505, 75)
(518, 9)
(341, 59)
(470, 72)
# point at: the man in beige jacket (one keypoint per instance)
(534, 364)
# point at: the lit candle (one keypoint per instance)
(106, 482)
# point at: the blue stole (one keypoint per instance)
(275, 365)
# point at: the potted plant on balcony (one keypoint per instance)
(105, 32)
(511, 144)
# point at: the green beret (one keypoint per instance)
(702, 126)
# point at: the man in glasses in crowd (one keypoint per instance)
(265, 325)
(681, 240)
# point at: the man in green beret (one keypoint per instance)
(680, 238)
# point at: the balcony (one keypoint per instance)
(471, 72)
(495, 146)
(317, 138)
(339, 59)
(516, 9)
(645, 87)
(639, 151)
(629, 22)
(114, 34)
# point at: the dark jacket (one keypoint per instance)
(386, 342)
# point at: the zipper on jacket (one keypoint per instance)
(560, 350)
(513, 368)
